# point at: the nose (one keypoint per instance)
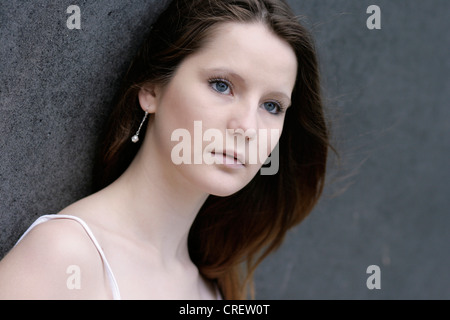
(244, 120)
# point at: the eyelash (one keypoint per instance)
(220, 79)
(279, 105)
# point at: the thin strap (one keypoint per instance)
(107, 268)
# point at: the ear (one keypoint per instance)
(148, 98)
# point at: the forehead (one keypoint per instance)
(252, 50)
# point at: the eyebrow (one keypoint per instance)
(233, 74)
(229, 72)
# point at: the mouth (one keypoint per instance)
(228, 158)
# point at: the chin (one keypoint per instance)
(223, 184)
(223, 192)
(220, 181)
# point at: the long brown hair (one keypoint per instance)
(232, 235)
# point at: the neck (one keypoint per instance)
(157, 207)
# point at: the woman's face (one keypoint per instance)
(214, 120)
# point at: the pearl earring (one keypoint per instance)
(135, 138)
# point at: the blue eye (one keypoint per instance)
(272, 107)
(221, 86)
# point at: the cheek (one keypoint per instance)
(182, 104)
(176, 113)
(173, 112)
(268, 138)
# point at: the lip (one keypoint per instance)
(230, 158)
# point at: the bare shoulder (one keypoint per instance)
(55, 260)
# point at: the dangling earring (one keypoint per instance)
(135, 138)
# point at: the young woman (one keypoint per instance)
(161, 228)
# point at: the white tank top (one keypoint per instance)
(110, 276)
(111, 279)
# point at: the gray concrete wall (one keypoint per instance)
(387, 91)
